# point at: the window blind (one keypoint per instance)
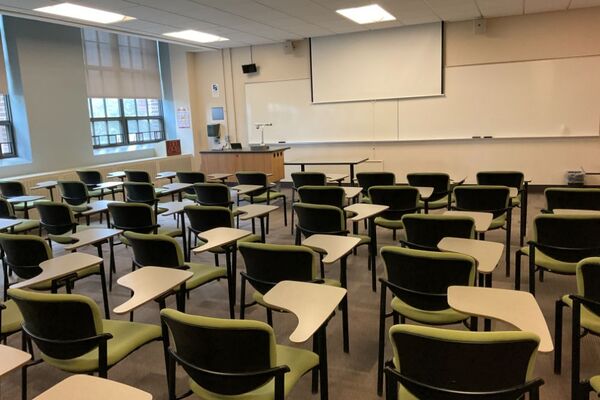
(120, 66)
(3, 82)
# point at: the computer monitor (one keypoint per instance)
(213, 130)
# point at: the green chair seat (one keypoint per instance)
(203, 273)
(589, 320)
(365, 199)
(389, 223)
(190, 196)
(11, 318)
(515, 201)
(595, 383)
(66, 238)
(127, 337)
(498, 222)
(220, 250)
(26, 225)
(263, 197)
(30, 205)
(160, 210)
(79, 208)
(98, 192)
(434, 205)
(441, 317)
(364, 239)
(551, 264)
(173, 232)
(298, 360)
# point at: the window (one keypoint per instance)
(7, 139)
(119, 122)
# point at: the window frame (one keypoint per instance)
(10, 129)
(122, 119)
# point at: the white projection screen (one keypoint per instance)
(375, 65)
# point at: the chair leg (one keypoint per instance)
(575, 350)
(345, 332)
(242, 298)
(298, 237)
(269, 317)
(508, 233)
(518, 255)
(394, 235)
(292, 210)
(558, 323)
(104, 291)
(381, 342)
(217, 259)
(284, 211)
(532, 272)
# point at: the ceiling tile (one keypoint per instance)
(455, 10)
(537, 6)
(500, 8)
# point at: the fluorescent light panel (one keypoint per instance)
(366, 14)
(196, 36)
(84, 13)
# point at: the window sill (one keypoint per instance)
(124, 149)
(9, 162)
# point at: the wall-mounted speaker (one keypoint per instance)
(249, 68)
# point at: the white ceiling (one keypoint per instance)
(252, 22)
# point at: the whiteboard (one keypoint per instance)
(379, 64)
(287, 105)
(546, 98)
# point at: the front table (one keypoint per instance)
(313, 305)
(517, 308)
(369, 212)
(80, 386)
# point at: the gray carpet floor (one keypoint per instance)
(351, 376)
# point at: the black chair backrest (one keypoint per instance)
(422, 278)
(368, 179)
(139, 192)
(191, 177)
(439, 181)
(135, 217)
(73, 192)
(253, 178)
(588, 281)
(304, 178)
(317, 218)
(90, 178)
(25, 253)
(243, 346)
(577, 237)
(6, 209)
(204, 218)
(10, 189)
(426, 230)
(327, 195)
(212, 194)
(56, 218)
(269, 264)
(573, 198)
(494, 199)
(401, 200)
(512, 179)
(138, 176)
(153, 250)
(59, 323)
(468, 362)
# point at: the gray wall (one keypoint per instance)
(47, 89)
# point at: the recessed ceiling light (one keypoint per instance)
(84, 13)
(367, 14)
(196, 36)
